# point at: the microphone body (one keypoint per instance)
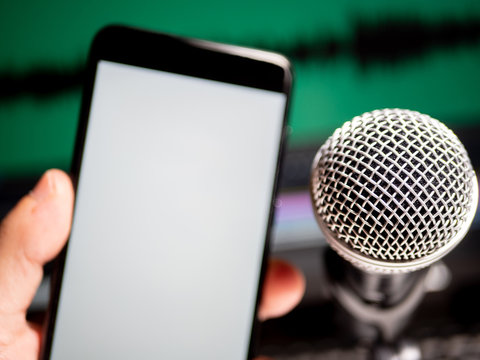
(393, 191)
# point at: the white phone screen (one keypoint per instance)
(171, 216)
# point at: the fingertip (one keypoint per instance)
(53, 183)
(283, 289)
(62, 182)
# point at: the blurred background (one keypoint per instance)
(349, 57)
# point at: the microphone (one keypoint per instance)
(393, 191)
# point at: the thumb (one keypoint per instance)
(32, 234)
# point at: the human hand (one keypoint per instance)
(35, 231)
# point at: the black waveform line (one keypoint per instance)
(392, 40)
(40, 82)
(389, 40)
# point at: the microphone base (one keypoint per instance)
(379, 305)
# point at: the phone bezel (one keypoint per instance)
(186, 56)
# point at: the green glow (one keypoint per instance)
(39, 133)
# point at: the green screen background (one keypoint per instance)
(37, 132)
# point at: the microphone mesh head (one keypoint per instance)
(393, 190)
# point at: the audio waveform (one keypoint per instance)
(390, 41)
(40, 82)
(387, 41)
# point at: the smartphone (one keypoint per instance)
(175, 169)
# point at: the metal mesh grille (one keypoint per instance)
(393, 185)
